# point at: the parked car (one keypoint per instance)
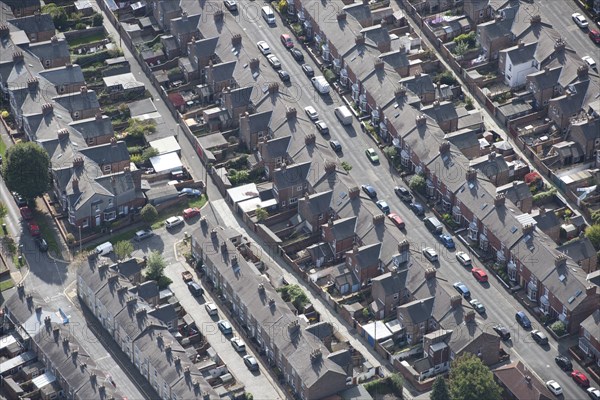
(190, 192)
(383, 206)
(523, 320)
(238, 344)
(593, 393)
(308, 70)
(370, 191)
(554, 387)
(463, 258)
(594, 35)
(187, 276)
(34, 229)
(231, 5)
(274, 61)
(191, 212)
(225, 327)
(479, 274)
(539, 337)
(283, 75)
(430, 254)
(143, 234)
(502, 331)
(251, 363)
(335, 145)
(397, 220)
(211, 308)
(41, 244)
(589, 61)
(580, 378)
(417, 208)
(26, 213)
(263, 47)
(403, 193)
(372, 155)
(563, 362)
(297, 54)
(447, 241)
(20, 200)
(462, 289)
(172, 222)
(579, 20)
(286, 40)
(478, 306)
(322, 127)
(195, 288)
(312, 114)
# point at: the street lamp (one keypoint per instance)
(79, 238)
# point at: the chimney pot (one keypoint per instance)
(456, 300)
(354, 192)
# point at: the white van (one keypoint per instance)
(268, 15)
(320, 83)
(104, 249)
(344, 115)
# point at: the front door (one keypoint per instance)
(97, 220)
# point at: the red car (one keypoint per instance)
(594, 35)
(286, 40)
(396, 220)
(34, 229)
(580, 378)
(26, 213)
(190, 212)
(479, 274)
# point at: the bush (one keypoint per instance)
(148, 153)
(261, 214)
(469, 104)
(329, 75)
(417, 183)
(346, 166)
(97, 19)
(135, 150)
(149, 213)
(468, 38)
(559, 328)
(543, 196)
(445, 78)
(70, 238)
(80, 26)
(136, 159)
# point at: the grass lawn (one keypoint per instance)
(84, 40)
(45, 225)
(5, 285)
(2, 147)
(176, 210)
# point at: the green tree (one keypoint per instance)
(439, 390)
(155, 266)
(58, 14)
(596, 217)
(148, 153)
(123, 249)
(3, 210)
(593, 233)
(559, 328)
(461, 48)
(471, 380)
(417, 183)
(390, 151)
(396, 384)
(138, 128)
(294, 294)
(149, 213)
(97, 19)
(346, 166)
(261, 214)
(26, 169)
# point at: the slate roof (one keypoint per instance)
(185, 24)
(146, 290)
(241, 96)
(273, 149)
(291, 175)
(587, 130)
(203, 46)
(128, 268)
(418, 310)
(442, 112)
(259, 122)
(515, 191)
(50, 50)
(368, 255)
(392, 283)
(592, 323)
(521, 54)
(78, 101)
(453, 166)
(63, 75)
(376, 35)
(344, 228)
(395, 59)
(34, 23)
(317, 203)
(92, 127)
(165, 313)
(570, 104)
(546, 78)
(463, 139)
(578, 250)
(419, 85)
(107, 153)
(513, 376)
(223, 71)
(360, 11)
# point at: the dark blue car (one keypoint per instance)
(417, 208)
(447, 241)
(523, 320)
(370, 191)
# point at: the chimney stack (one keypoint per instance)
(77, 162)
(54, 39)
(32, 83)
(560, 259)
(83, 89)
(417, 74)
(542, 210)
(309, 139)
(521, 44)
(492, 155)
(582, 71)
(329, 165)
(471, 174)
(18, 56)
(403, 246)
(359, 39)
(274, 88)
(499, 200)
(354, 192)
(184, 16)
(430, 273)
(47, 108)
(456, 300)
(378, 219)
(341, 16)
(528, 228)
(113, 142)
(63, 133)
(536, 19)
(75, 184)
(421, 120)
(4, 31)
(444, 147)
(218, 16)
(254, 63)
(98, 116)
(378, 64)
(236, 40)
(469, 316)
(290, 113)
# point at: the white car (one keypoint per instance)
(463, 258)
(579, 20)
(173, 222)
(263, 47)
(478, 306)
(589, 61)
(554, 387)
(274, 61)
(430, 254)
(312, 113)
(238, 344)
(593, 393)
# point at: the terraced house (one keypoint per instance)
(94, 180)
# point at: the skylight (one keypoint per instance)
(562, 278)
